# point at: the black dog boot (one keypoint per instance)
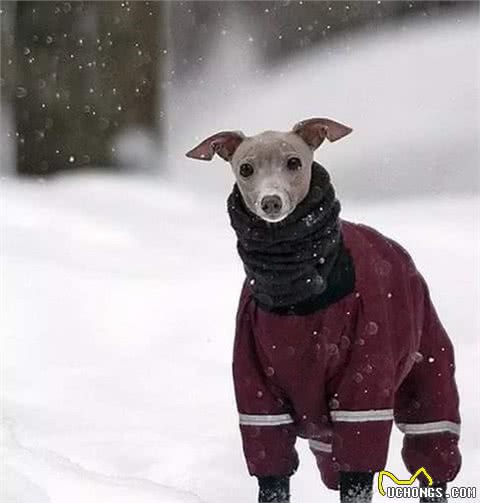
(274, 489)
(356, 487)
(440, 494)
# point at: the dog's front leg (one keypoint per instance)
(356, 487)
(273, 489)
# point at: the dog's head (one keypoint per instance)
(273, 169)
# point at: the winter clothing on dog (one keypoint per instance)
(288, 262)
(340, 375)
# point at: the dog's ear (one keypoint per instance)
(314, 131)
(224, 144)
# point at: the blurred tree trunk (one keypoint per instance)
(7, 15)
(84, 72)
(7, 77)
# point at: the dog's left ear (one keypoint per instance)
(224, 144)
(314, 131)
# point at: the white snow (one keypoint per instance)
(117, 317)
(117, 323)
(411, 93)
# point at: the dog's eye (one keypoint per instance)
(246, 170)
(294, 163)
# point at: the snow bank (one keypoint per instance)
(112, 389)
(43, 476)
(411, 94)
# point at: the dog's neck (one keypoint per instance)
(299, 264)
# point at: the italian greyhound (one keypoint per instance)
(272, 169)
(273, 172)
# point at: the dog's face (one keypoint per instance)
(273, 173)
(273, 169)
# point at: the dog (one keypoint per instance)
(336, 334)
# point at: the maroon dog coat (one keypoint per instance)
(340, 376)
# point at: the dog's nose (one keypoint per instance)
(271, 204)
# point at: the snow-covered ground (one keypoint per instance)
(119, 294)
(118, 311)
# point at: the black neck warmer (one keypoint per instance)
(299, 264)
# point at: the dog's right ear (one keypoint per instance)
(224, 144)
(314, 131)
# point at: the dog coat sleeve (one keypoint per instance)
(427, 404)
(267, 429)
(361, 409)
